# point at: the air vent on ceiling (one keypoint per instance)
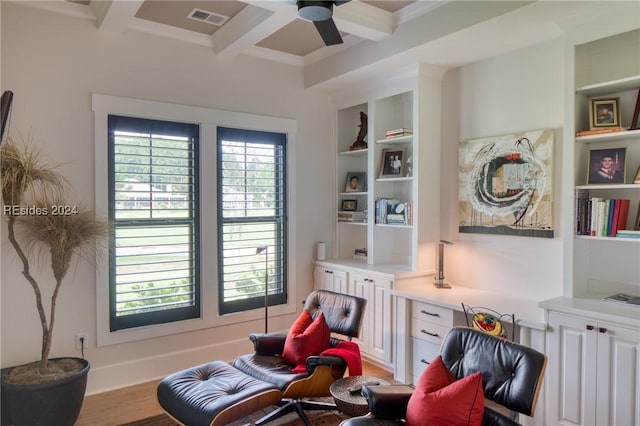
(208, 17)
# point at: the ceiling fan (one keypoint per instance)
(320, 13)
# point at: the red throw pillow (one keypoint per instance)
(439, 399)
(305, 338)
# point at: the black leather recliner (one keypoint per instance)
(511, 377)
(343, 314)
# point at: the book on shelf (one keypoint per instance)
(390, 211)
(627, 233)
(396, 133)
(623, 298)
(599, 217)
(600, 131)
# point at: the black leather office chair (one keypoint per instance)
(343, 314)
(511, 377)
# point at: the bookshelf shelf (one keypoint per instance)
(612, 86)
(400, 139)
(616, 239)
(609, 137)
(610, 186)
(400, 179)
(355, 152)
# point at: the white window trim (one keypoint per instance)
(208, 119)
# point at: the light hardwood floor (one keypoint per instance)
(139, 402)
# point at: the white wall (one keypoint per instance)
(518, 91)
(53, 63)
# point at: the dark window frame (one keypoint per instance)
(140, 125)
(278, 265)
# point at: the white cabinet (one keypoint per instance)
(327, 278)
(593, 372)
(375, 335)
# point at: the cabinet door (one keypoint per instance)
(359, 286)
(339, 279)
(380, 311)
(330, 279)
(618, 375)
(571, 371)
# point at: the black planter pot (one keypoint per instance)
(49, 404)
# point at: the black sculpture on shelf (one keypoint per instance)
(360, 143)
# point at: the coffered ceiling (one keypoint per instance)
(379, 36)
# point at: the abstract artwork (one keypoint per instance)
(506, 185)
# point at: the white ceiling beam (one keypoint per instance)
(115, 15)
(364, 20)
(247, 28)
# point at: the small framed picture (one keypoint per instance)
(349, 205)
(392, 162)
(604, 113)
(635, 120)
(606, 166)
(356, 182)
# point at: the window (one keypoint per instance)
(252, 214)
(153, 206)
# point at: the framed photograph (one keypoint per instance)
(349, 205)
(356, 182)
(635, 120)
(636, 178)
(392, 162)
(606, 166)
(604, 113)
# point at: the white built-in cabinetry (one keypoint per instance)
(375, 339)
(413, 103)
(394, 250)
(593, 346)
(594, 363)
(603, 70)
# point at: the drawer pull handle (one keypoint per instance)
(430, 334)
(429, 313)
(602, 330)
(590, 327)
(424, 361)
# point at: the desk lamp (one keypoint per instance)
(439, 279)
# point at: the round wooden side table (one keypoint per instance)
(352, 403)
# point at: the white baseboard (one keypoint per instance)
(109, 377)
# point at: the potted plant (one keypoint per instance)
(39, 220)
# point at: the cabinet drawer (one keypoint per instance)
(422, 354)
(428, 331)
(432, 313)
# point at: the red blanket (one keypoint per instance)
(348, 351)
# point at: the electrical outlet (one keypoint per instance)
(84, 336)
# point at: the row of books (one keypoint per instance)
(352, 216)
(396, 133)
(390, 211)
(600, 217)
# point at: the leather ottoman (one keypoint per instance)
(214, 394)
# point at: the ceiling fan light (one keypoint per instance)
(314, 10)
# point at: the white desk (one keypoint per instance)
(528, 316)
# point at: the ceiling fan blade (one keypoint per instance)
(328, 31)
